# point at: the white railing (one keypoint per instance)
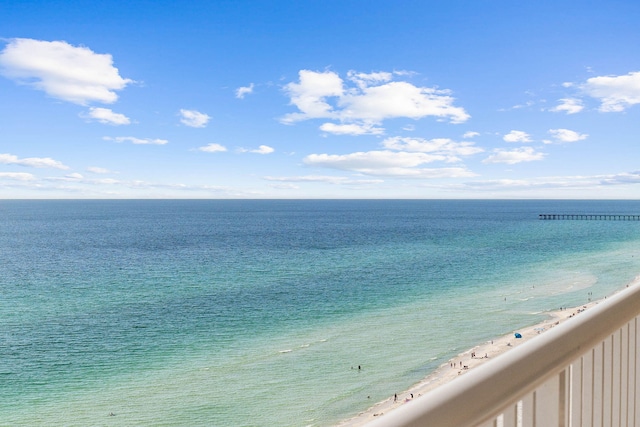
(583, 372)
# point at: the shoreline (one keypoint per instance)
(467, 360)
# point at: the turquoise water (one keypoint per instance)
(253, 313)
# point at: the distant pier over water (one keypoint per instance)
(590, 217)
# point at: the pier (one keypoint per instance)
(590, 217)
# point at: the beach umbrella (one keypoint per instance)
(518, 335)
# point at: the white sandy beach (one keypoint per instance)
(463, 363)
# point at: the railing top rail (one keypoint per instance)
(482, 392)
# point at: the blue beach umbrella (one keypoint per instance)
(518, 335)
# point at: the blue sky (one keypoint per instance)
(320, 99)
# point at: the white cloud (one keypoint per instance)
(569, 106)
(34, 162)
(72, 177)
(284, 186)
(399, 99)
(325, 179)
(621, 178)
(371, 159)
(241, 92)
(338, 180)
(559, 182)
(98, 170)
(517, 136)
(66, 72)
(17, 176)
(387, 163)
(106, 116)
(449, 149)
(309, 96)
(365, 79)
(566, 135)
(374, 98)
(107, 181)
(213, 148)
(402, 157)
(511, 157)
(137, 141)
(470, 134)
(351, 129)
(521, 106)
(193, 118)
(263, 149)
(616, 93)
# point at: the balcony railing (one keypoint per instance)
(583, 372)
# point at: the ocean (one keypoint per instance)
(274, 312)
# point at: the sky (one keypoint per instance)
(309, 99)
